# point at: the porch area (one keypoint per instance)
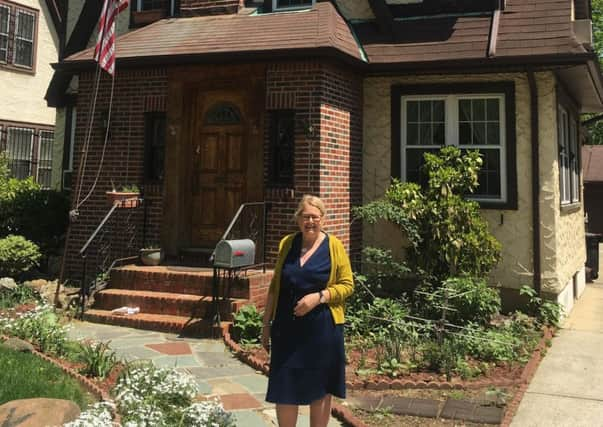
(176, 299)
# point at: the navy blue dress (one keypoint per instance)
(307, 359)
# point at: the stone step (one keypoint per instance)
(188, 280)
(168, 303)
(183, 325)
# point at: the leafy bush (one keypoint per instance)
(248, 324)
(25, 209)
(17, 255)
(98, 359)
(547, 312)
(448, 236)
(377, 317)
(470, 299)
(445, 357)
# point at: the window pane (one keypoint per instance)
(3, 33)
(464, 110)
(492, 134)
(464, 133)
(489, 176)
(18, 150)
(438, 111)
(439, 134)
(282, 148)
(154, 146)
(412, 134)
(24, 39)
(155, 4)
(412, 111)
(492, 110)
(478, 109)
(425, 111)
(292, 3)
(479, 134)
(45, 158)
(426, 135)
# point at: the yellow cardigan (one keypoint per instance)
(340, 284)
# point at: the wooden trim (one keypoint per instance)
(507, 88)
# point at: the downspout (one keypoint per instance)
(535, 136)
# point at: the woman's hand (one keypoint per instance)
(266, 337)
(306, 304)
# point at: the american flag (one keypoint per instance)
(104, 53)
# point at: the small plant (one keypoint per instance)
(20, 295)
(40, 326)
(126, 188)
(248, 325)
(547, 312)
(149, 396)
(98, 359)
(17, 255)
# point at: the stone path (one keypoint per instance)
(240, 388)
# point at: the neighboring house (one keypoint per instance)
(592, 167)
(279, 98)
(29, 43)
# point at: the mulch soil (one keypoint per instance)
(510, 379)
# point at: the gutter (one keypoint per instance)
(535, 136)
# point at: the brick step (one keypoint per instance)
(186, 280)
(166, 303)
(159, 322)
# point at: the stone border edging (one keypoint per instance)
(344, 414)
(340, 412)
(85, 381)
(527, 374)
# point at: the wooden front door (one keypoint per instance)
(219, 171)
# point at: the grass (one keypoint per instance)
(25, 376)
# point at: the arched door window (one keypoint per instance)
(222, 114)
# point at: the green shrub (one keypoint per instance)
(248, 324)
(377, 318)
(21, 295)
(447, 235)
(547, 312)
(470, 300)
(17, 255)
(25, 209)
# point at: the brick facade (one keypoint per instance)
(328, 157)
(135, 92)
(327, 161)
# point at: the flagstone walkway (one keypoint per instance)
(240, 388)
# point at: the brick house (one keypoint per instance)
(229, 102)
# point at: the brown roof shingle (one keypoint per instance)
(320, 27)
(527, 28)
(592, 163)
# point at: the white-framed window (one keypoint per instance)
(569, 165)
(292, 4)
(167, 5)
(19, 151)
(470, 121)
(17, 36)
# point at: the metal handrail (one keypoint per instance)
(234, 221)
(83, 252)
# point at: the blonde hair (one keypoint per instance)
(311, 200)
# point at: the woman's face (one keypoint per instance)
(309, 221)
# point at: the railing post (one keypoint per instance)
(83, 288)
(265, 220)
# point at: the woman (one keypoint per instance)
(303, 321)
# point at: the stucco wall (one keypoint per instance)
(25, 90)
(513, 228)
(563, 248)
(355, 9)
